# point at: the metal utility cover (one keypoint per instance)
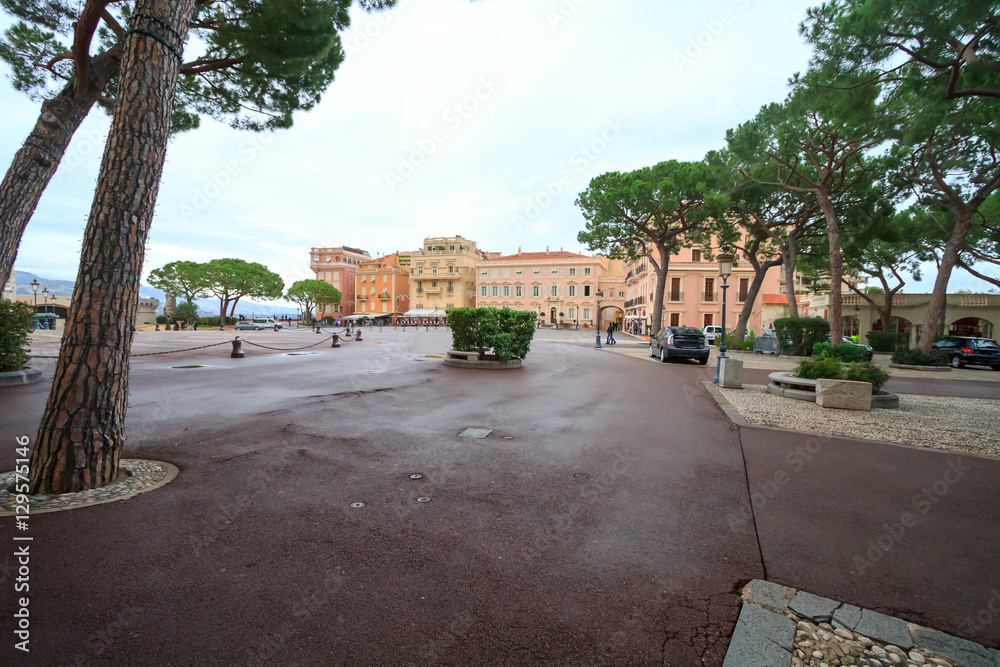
(476, 432)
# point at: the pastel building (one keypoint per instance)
(693, 296)
(442, 276)
(339, 267)
(382, 287)
(560, 286)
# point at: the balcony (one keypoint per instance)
(384, 296)
(675, 297)
(710, 297)
(638, 301)
(362, 297)
(432, 290)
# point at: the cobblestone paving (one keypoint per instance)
(135, 476)
(819, 645)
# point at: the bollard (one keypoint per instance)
(237, 348)
(157, 327)
(275, 326)
(336, 341)
(358, 337)
(317, 328)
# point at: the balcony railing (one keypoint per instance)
(384, 296)
(432, 290)
(362, 297)
(710, 297)
(638, 301)
(675, 297)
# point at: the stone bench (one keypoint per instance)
(803, 389)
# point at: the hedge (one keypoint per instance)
(16, 321)
(505, 332)
(826, 367)
(887, 341)
(803, 332)
(845, 352)
(915, 357)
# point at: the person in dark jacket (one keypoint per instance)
(611, 334)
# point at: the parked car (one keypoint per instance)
(962, 350)
(847, 341)
(257, 324)
(679, 343)
(711, 332)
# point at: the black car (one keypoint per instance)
(962, 350)
(679, 343)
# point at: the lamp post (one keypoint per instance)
(34, 288)
(597, 321)
(857, 321)
(725, 270)
(45, 297)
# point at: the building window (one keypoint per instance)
(572, 272)
(495, 273)
(506, 290)
(451, 269)
(586, 313)
(675, 290)
(482, 290)
(420, 270)
(696, 255)
(675, 319)
(518, 291)
(554, 290)
(708, 320)
(709, 289)
(506, 273)
(572, 313)
(451, 286)
(586, 290)
(434, 283)
(536, 290)
(496, 291)
(572, 290)
(744, 288)
(586, 271)
(621, 295)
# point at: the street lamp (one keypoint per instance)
(857, 321)
(597, 321)
(725, 270)
(45, 297)
(34, 288)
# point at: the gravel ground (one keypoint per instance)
(952, 424)
(784, 364)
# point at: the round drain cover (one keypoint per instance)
(416, 475)
(357, 505)
(423, 499)
(579, 475)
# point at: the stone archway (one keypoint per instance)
(971, 326)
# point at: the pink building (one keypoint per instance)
(339, 267)
(560, 286)
(693, 295)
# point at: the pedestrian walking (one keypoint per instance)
(611, 334)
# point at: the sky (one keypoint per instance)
(482, 119)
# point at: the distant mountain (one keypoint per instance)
(206, 307)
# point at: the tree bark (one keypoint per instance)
(836, 269)
(760, 272)
(661, 287)
(934, 323)
(36, 162)
(790, 257)
(82, 432)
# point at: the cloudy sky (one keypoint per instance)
(483, 119)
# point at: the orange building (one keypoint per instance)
(339, 267)
(382, 287)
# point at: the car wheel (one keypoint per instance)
(996, 368)
(663, 355)
(703, 361)
(956, 362)
(650, 351)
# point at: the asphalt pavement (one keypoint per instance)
(605, 519)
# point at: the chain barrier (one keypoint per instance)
(284, 349)
(145, 354)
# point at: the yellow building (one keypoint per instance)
(442, 276)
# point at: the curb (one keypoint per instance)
(15, 378)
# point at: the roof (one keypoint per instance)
(776, 298)
(555, 254)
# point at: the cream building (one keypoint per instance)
(560, 286)
(442, 276)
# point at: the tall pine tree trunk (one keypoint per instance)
(661, 287)
(83, 428)
(760, 272)
(934, 324)
(36, 162)
(790, 257)
(836, 269)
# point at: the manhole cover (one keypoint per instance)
(423, 499)
(298, 354)
(579, 475)
(473, 432)
(192, 366)
(416, 475)
(357, 505)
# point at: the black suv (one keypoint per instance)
(679, 342)
(962, 350)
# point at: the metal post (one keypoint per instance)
(597, 325)
(722, 347)
(237, 352)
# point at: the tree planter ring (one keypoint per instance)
(25, 376)
(803, 389)
(462, 359)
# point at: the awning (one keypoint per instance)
(425, 312)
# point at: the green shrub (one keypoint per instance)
(867, 371)
(823, 367)
(16, 322)
(506, 332)
(161, 319)
(915, 357)
(820, 349)
(803, 332)
(887, 341)
(733, 342)
(186, 311)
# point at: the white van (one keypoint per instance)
(265, 323)
(711, 332)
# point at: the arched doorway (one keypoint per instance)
(552, 315)
(971, 326)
